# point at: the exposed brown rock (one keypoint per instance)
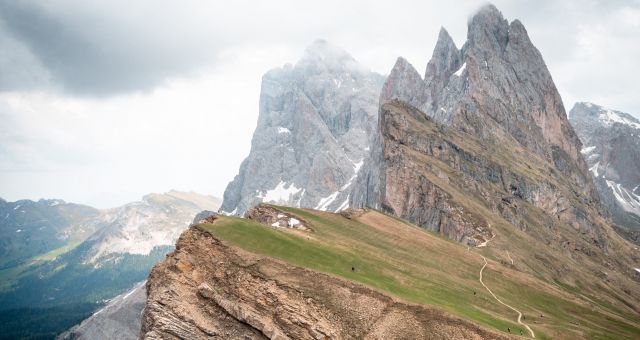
(207, 289)
(352, 213)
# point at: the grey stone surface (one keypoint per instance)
(313, 133)
(119, 319)
(496, 88)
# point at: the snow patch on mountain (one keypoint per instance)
(587, 150)
(344, 205)
(462, 68)
(629, 201)
(609, 117)
(594, 169)
(283, 192)
(326, 201)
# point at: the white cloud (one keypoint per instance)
(182, 79)
(189, 134)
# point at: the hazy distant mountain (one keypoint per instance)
(611, 147)
(82, 274)
(29, 228)
(314, 129)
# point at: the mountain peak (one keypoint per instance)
(445, 60)
(444, 38)
(585, 111)
(488, 28)
(322, 52)
(323, 48)
(404, 82)
(487, 14)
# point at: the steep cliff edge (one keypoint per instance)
(207, 288)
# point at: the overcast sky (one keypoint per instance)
(102, 102)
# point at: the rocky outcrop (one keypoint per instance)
(611, 148)
(314, 127)
(207, 289)
(276, 218)
(204, 216)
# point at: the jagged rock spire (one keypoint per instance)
(445, 60)
(496, 86)
(404, 83)
(488, 27)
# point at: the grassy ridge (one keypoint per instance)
(418, 266)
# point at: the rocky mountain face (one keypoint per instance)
(611, 147)
(494, 94)
(314, 130)
(496, 87)
(85, 272)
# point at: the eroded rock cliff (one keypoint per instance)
(208, 289)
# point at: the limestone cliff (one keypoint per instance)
(313, 134)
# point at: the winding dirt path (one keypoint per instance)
(497, 299)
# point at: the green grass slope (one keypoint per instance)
(421, 267)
